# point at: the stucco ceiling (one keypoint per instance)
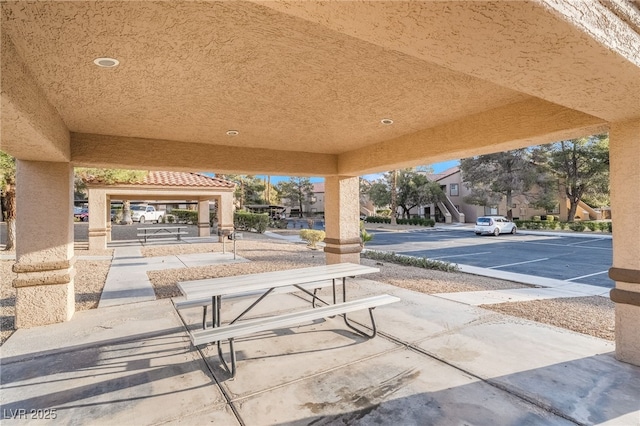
(302, 77)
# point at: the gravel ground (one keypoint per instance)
(588, 315)
(89, 281)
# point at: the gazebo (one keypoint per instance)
(160, 185)
(308, 88)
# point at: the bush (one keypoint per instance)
(312, 237)
(562, 225)
(592, 225)
(245, 221)
(547, 225)
(536, 218)
(418, 262)
(170, 218)
(605, 226)
(377, 219)
(365, 237)
(577, 226)
(185, 216)
(550, 218)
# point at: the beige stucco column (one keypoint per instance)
(342, 219)
(108, 219)
(98, 207)
(225, 214)
(44, 243)
(624, 152)
(204, 227)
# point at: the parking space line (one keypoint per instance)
(594, 240)
(459, 255)
(586, 276)
(518, 263)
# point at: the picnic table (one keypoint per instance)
(308, 280)
(162, 231)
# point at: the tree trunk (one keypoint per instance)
(573, 207)
(126, 213)
(394, 198)
(509, 206)
(10, 204)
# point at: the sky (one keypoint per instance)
(437, 168)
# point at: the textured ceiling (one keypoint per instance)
(307, 77)
(191, 71)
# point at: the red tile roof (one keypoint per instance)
(184, 179)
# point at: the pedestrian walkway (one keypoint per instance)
(128, 282)
(545, 288)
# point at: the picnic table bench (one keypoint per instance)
(212, 291)
(162, 231)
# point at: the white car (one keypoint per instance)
(495, 225)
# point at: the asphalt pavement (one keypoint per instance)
(574, 258)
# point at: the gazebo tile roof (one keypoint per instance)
(164, 178)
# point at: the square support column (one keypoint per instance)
(225, 215)
(44, 243)
(98, 208)
(204, 227)
(624, 153)
(342, 219)
(108, 219)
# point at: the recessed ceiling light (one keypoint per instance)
(232, 133)
(106, 62)
(386, 121)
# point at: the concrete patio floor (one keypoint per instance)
(434, 362)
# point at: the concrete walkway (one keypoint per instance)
(434, 362)
(128, 282)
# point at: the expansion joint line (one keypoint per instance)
(494, 384)
(224, 392)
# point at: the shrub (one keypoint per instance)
(562, 225)
(577, 226)
(550, 218)
(185, 216)
(548, 224)
(605, 226)
(365, 237)
(536, 218)
(418, 262)
(312, 237)
(592, 225)
(245, 221)
(170, 218)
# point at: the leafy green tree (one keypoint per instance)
(504, 174)
(296, 190)
(415, 189)
(249, 189)
(8, 187)
(380, 193)
(582, 165)
(411, 189)
(110, 177)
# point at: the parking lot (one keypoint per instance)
(583, 259)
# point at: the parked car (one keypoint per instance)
(144, 213)
(495, 225)
(81, 214)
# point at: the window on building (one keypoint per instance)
(453, 189)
